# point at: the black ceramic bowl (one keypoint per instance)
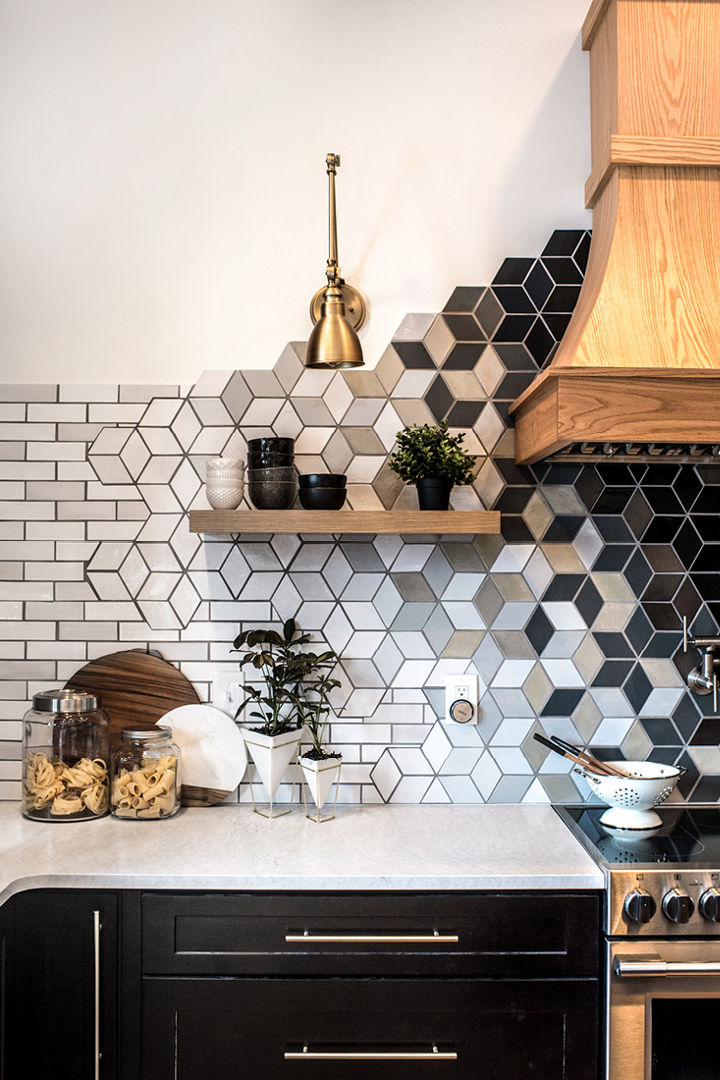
(272, 496)
(268, 459)
(323, 480)
(271, 443)
(322, 498)
(284, 474)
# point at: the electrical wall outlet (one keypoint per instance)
(461, 699)
(228, 691)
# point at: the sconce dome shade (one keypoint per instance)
(333, 343)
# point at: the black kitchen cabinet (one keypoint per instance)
(497, 985)
(6, 979)
(65, 985)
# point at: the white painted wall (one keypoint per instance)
(162, 185)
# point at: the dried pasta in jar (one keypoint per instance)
(146, 775)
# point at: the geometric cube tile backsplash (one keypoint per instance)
(570, 619)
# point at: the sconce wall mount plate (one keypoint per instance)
(355, 309)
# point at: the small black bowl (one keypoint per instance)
(319, 498)
(323, 480)
(268, 459)
(271, 443)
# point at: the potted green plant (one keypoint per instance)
(320, 767)
(274, 741)
(434, 460)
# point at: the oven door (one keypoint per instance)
(663, 1010)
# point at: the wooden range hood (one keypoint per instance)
(640, 360)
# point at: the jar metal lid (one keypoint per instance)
(146, 733)
(65, 701)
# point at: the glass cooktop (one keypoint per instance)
(687, 835)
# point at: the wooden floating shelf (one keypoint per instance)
(459, 522)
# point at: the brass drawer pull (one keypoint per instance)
(306, 1054)
(436, 938)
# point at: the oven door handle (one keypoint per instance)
(654, 968)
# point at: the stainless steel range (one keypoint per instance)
(662, 929)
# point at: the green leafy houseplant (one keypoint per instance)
(313, 703)
(281, 662)
(431, 453)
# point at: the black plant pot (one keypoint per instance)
(434, 493)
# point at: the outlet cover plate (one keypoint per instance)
(461, 688)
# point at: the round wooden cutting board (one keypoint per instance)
(135, 688)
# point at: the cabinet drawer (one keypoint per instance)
(204, 1029)
(547, 934)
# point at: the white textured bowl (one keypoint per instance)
(631, 798)
(225, 480)
(225, 498)
(222, 463)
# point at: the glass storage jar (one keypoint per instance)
(65, 757)
(146, 775)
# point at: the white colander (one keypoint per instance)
(631, 798)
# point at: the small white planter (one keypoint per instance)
(319, 776)
(271, 755)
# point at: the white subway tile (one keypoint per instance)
(74, 551)
(11, 530)
(111, 611)
(56, 530)
(85, 511)
(27, 470)
(12, 412)
(119, 413)
(55, 489)
(24, 511)
(25, 590)
(10, 790)
(29, 631)
(52, 451)
(58, 611)
(57, 413)
(56, 650)
(89, 392)
(27, 432)
(55, 571)
(79, 631)
(113, 530)
(26, 549)
(28, 669)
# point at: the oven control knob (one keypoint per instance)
(709, 905)
(639, 906)
(678, 906)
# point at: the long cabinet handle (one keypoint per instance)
(436, 938)
(637, 969)
(306, 1054)
(97, 927)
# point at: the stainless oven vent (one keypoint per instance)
(676, 453)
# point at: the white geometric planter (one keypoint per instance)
(271, 755)
(319, 777)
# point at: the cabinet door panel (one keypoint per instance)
(498, 934)
(56, 984)
(241, 1029)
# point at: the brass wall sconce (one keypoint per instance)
(337, 309)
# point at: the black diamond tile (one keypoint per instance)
(589, 486)
(513, 272)
(514, 500)
(707, 789)
(687, 486)
(488, 312)
(708, 585)
(464, 414)
(687, 602)
(513, 328)
(556, 324)
(464, 298)
(563, 529)
(613, 558)
(661, 731)
(563, 270)
(413, 354)
(662, 530)
(513, 384)
(562, 299)
(439, 399)
(707, 560)
(562, 473)
(539, 630)
(662, 500)
(614, 645)
(540, 342)
(539, 284)
(563, 242)
(662, 616)
(582, 251)
(662, 475)
(637, 688)
(464, 327)
(608, 753)
(464, 357)
(686, 717)
(563, 587)
(662, 558)
(707, 733)
(714, 609)
(589, 602)
(615, 474)
(514, 299)
(708, 501)
(514, 530)
(638, 631)
(638, 573)
(663, 755)
(516, 357)
(612, 673)
(662, 587)
(687, 782)
(709, 474)
(613, 500)
(708, 526)
(638, 514)
(562, 702)
(611, 528)
(661, 645)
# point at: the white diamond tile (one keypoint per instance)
(186, 426)
(411, 789)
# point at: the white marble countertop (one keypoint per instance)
(368, 848)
